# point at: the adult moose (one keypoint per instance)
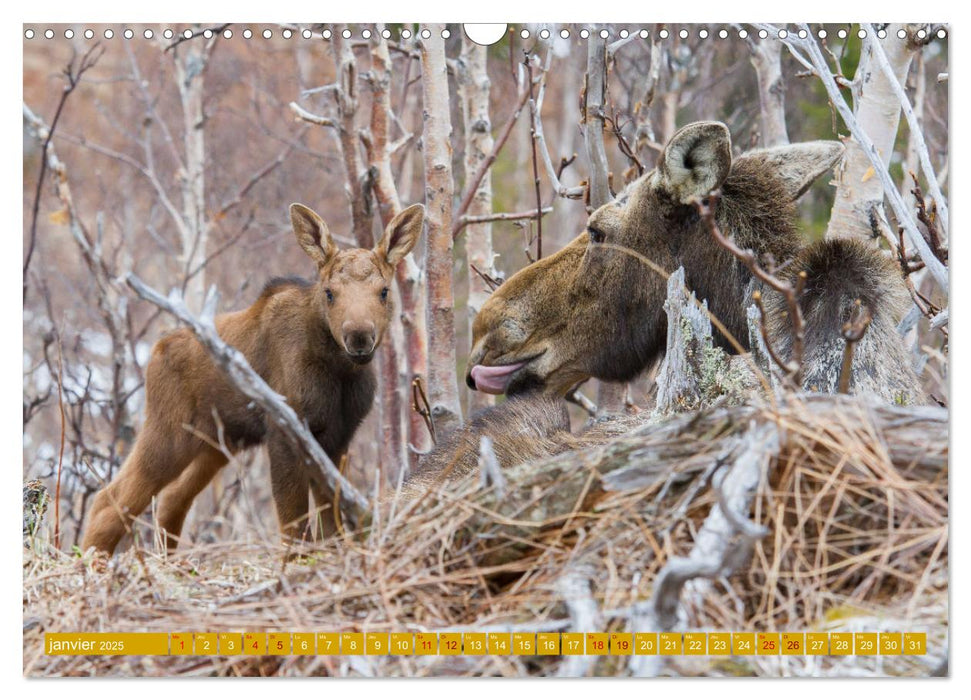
(311, 341)
(593, 309)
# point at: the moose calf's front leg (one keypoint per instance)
(290, 487)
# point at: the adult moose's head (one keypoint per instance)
(353, 287)
(596, 308)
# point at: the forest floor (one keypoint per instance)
(853, 498)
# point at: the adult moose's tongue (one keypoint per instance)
(493, 380)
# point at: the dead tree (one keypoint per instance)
(766, 56)
(808, 52)
(609, 396)
(437, 151)
(473, 81)
(191, 59)
(877, 111)
(378, 148)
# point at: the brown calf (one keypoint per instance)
(311, 341)
(593, 309)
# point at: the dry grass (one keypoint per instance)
(856, 503)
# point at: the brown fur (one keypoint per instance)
(311, 342)
(596, 308)
(521, 429)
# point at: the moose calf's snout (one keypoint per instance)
(358, 338)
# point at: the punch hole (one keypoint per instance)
(742, 33)
(89, 34)
(129, 33)
(267, 34)
(624, 33)
(861, 33)
(604, 33)
(664, 33)
(763, 34)
(327, 34)
(109, 33)
(783, 33)
(386, 34)
(683, 34)
(346, 33)
(544, 34)
(722, 33)
(366, 33)
(643, 34)
(703, 33)
(941, 34)
(29, 34)
(168, 34)
(524, 34)
(446, 33)
(842, 33)
(68, 33)
(405, 33)
(821, 34)
(565, 33)
(306, 33)
(901, 34)
(584, 33)
(247, 33)
(228, 34)
(187, 34)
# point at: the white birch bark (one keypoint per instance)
(439, 188)
(474, 87)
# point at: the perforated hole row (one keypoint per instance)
(286, 33)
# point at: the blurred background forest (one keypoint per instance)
(183, 154)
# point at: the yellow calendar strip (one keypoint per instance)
(106, 644)
(481, 643)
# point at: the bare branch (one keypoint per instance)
(913, 124)
(306, 116)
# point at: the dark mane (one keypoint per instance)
(277, 284)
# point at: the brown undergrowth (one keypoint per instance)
(855, 501)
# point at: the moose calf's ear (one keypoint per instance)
(696, 161)
(800, 164)
(402, 234)
(312, 234)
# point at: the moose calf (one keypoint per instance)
(311, 341)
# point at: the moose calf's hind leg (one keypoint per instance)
(152, 464)
(176, 499)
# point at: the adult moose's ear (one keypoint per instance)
(800, 164)
(402, 234)
(696, 161)
(312, 234)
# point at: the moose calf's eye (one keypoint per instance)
(330, 295)
(384, 294)
(596, 235)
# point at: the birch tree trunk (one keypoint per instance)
(877, 110)
(376, 138)
(474, 87)
(767, 59)
(437, 152)
(610, 396)
(191, 58)
(354, 168)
